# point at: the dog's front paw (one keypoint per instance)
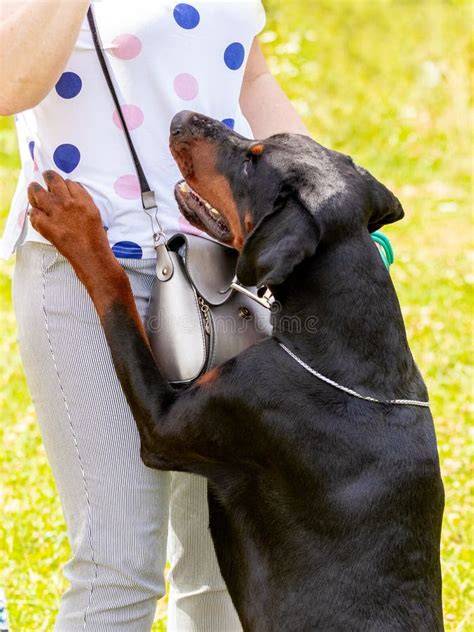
(66, 215)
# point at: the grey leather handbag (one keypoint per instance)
(198, 315)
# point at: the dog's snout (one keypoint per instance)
(187, 125)
(180, 121)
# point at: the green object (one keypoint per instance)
(385, 248)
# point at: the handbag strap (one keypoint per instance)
(164, 264)
(147, 194)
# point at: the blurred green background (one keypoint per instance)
(387, 82)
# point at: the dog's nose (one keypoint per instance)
(179, 122)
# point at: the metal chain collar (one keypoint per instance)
(349, 391)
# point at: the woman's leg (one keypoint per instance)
(116, 509)
(198, 601)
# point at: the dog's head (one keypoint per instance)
(273, 200)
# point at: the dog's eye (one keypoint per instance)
(247, 162)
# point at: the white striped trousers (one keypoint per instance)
(116, 509)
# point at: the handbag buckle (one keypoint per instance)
(266, 300)
(148, 200)
(164, 264)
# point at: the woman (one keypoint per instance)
(165, 57)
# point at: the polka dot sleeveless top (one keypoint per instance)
(165, 57)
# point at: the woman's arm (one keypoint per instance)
(263, 102)
(36, 40)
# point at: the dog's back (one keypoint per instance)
(340, 528)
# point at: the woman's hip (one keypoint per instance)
(67, 362)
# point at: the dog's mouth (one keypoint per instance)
(201, 214)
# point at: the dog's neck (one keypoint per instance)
(339, 312)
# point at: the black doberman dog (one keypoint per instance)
(325, 509)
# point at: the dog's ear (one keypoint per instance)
(384, 207)
(279, 242)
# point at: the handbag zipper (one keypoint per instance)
(204, 307)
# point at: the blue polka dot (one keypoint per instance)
(229, 122)
(31, 147)
(127, 250)
(234, 56)
(69, 85)
(66, 157)
(186, 16)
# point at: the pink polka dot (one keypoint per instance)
(126, 46)
(186, 86)
(127, 187)
(188, 228)
(132, 114)
(21, 218)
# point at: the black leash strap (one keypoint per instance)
(148, 196)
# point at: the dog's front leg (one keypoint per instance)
(177, 432)
(66, 215)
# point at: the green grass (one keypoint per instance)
(387, 82)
